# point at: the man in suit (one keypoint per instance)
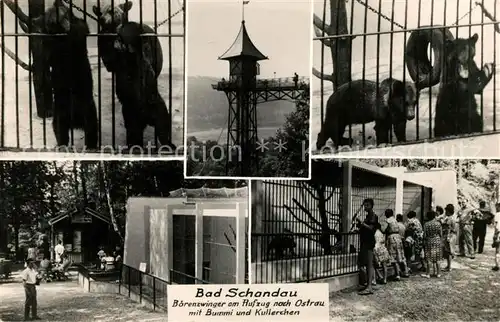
(465, 236)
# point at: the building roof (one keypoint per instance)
(87, 210)
(243, 47)
(210, 193)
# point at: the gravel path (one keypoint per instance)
(66, 301)
(470, 292)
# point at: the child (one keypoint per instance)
(381, 254)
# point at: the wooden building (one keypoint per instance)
(82, 231)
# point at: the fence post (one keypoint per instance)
(120, 280)
(154, 293)
(308, 262)
(140, 287)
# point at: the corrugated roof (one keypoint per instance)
(243, 46)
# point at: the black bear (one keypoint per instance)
(74, 106)
(109, 19)
(137, 62)
(456, 107)
(357, 102)
(137, 86)
(281, 244)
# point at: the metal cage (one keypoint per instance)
(305, 230)
(28, 80)
(373, 40)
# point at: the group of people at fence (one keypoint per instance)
(401, 244)
(47, 269)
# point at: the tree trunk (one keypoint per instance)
(110, 204)
(40, 54)
(325, 228)
(16, 225)
(340, 48)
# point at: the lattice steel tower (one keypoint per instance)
(243, 59)
(244, 92)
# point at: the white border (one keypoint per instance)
(186, 51)
(249, 256)
(248, 178)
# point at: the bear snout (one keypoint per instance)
(410, 113)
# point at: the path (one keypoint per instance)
(66, 301)
(469, 292)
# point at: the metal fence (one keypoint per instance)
(145, 286)
(302, 230)
(373, 40)
(309, 266)
(49, 76)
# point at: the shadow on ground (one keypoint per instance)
(470, 292)
(66, 301)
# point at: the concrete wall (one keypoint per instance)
(221, 256)
(159, 244)
(443, 182)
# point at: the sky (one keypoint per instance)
(280, 29)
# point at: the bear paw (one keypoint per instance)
(489, 69)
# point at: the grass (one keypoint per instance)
(469, 292)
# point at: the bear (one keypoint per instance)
(137, 86)
(71, 74)
(281, 244)
(357, 102)
(109, 19)
(40, 61)
(456, 107)
(132, 58)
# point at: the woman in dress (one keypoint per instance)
(432, 244)
(381, 254)
(450, 233)
(395, 245)
(415, 232)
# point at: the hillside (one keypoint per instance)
(207, 109)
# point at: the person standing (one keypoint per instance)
(440, 213)
(30, 280)
(496, 235)
(32, 252)
(59, 250)
(432, 244)
(395, 245)
(367, 230)
(465, 237)
(450, 230)
(481, 220)
(415, 231)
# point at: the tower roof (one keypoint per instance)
(243, 47)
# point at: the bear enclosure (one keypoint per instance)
(195, 236)
(42, 65)
(374, 40)
(305, 230)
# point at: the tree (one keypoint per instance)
(340, 48)
(294, 161)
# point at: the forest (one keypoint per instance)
(32, 192)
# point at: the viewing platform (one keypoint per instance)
(271, 84)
